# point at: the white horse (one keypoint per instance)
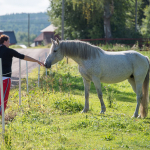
(98, 66)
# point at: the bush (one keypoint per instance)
(68, 104)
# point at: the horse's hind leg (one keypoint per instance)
(137, 88)
(99, 92)
(132, 82)
(139, 97)
(87, 89)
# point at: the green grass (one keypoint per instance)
(15, 46)
(50, 116)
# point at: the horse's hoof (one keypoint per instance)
(84, 111)
(102, 112)
(103, 109)
(139, 116)
(134, 116)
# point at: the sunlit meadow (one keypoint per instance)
(50, 115)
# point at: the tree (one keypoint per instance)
(145, 29)
(135, 15)
(104, 7)
(141, 9)
(108, 12)
(77, 23)
(22, 38)
(95, 18)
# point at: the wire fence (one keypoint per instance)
(2, 90)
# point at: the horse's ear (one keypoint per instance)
(57, 40)
(52, 41)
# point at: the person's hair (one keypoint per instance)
(3, 38)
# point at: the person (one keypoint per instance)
(7, 54)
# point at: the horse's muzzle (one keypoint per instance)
(47, 65)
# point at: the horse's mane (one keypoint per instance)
(79, 49)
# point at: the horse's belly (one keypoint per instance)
(109, 81)
(114, 78)
(116, 71)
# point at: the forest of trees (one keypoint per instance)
(19, 24)
(89, 19)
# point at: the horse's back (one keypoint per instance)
(128, 57)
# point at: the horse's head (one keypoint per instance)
(55, 54)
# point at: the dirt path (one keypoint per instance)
(35, 53)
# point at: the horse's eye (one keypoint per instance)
(55, 51)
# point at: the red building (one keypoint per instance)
(46, 35)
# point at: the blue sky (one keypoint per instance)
(23, 6)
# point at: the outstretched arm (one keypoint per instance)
(27, 58)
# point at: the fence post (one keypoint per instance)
(27, 75)
(39, 74)
(50, 70)
(2, 99)
(19, 81)
(45, 58)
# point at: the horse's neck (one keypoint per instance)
(78, 60)
(81, 61)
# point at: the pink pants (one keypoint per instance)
(6, 88)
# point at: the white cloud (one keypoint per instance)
(23, 6)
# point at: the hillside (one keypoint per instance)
(19, 24)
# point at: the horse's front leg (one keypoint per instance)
(97, 84)
(87, 89)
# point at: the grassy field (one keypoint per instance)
(50, 117)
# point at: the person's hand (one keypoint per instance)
(41, 63)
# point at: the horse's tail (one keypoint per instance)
(145, 98)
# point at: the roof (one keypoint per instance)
(50, 28)
(12, 36)
(39, 38)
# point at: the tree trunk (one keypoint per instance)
(108, 11)
(135, 15)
